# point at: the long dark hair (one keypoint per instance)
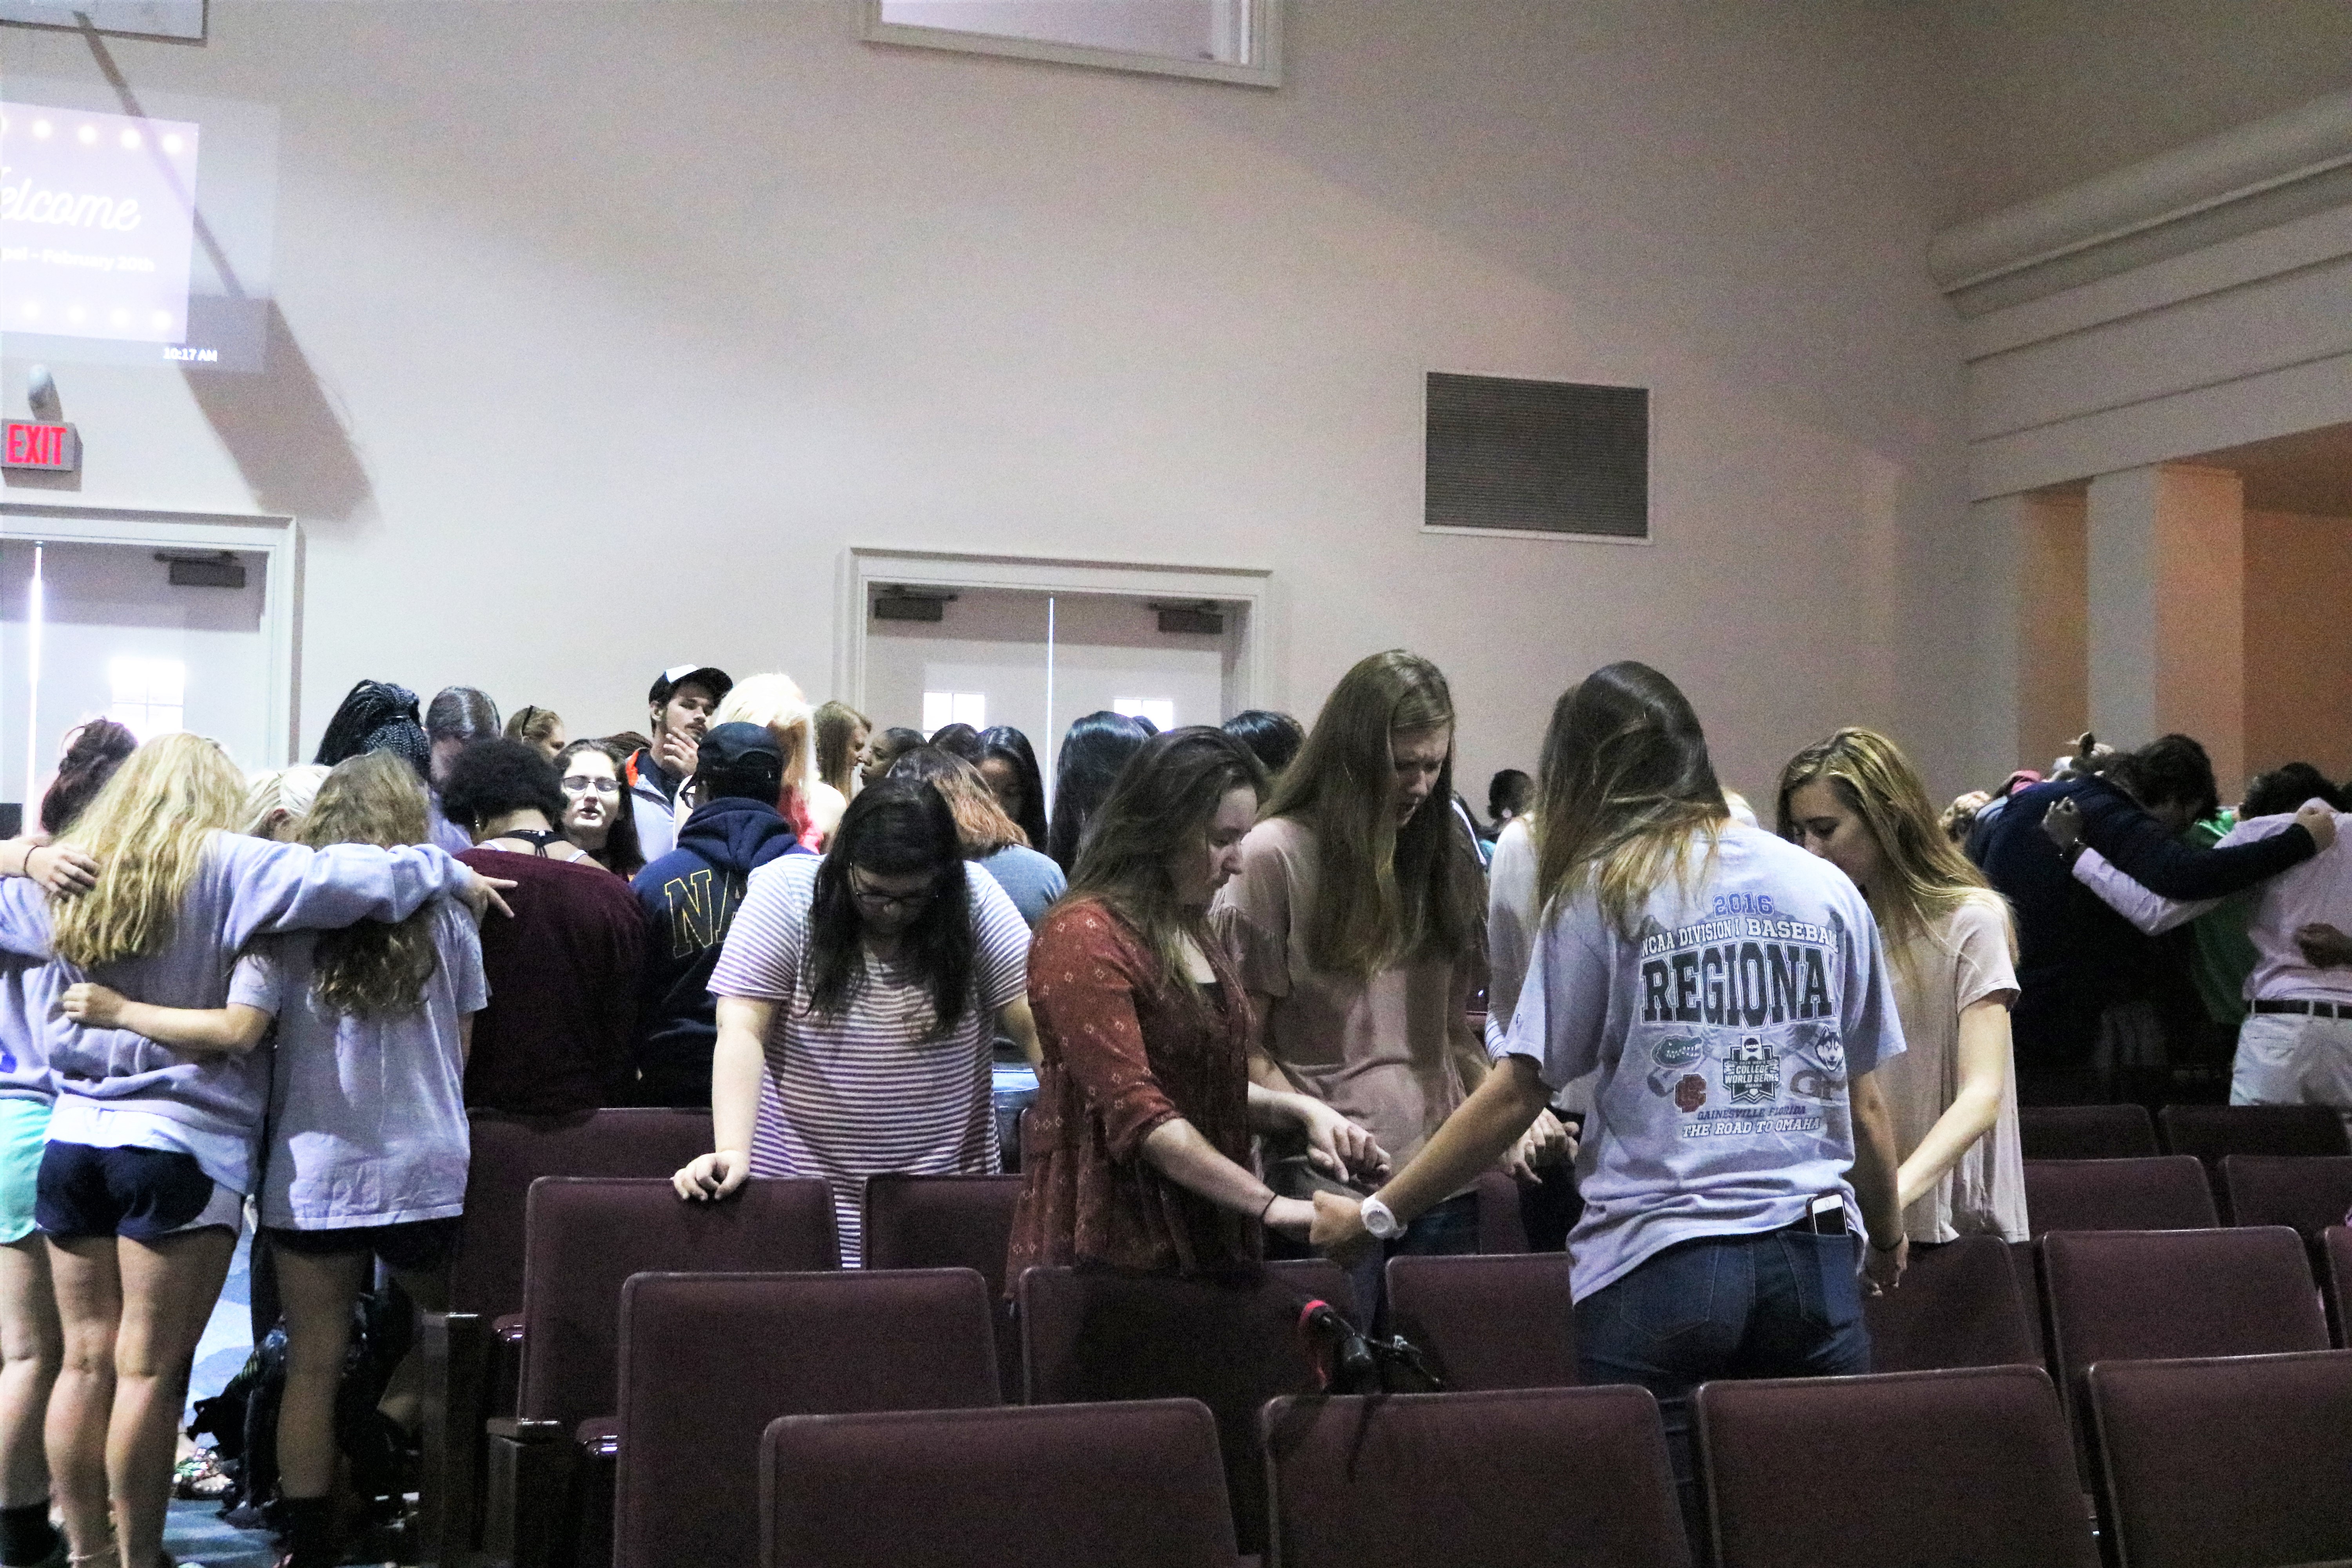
(1093, 752)
(92, 755)
(1273, 738)
(372, 968)
(1385, 892)
(896, 827)
(1162, 808)
(622, 856)
(1008, 745)
(1625, 783)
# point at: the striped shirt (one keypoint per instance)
(873, 1090)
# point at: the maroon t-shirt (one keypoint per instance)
(563, 987)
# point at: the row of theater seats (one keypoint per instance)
(2207, 1131)
(2229, 1463)
(622, 1329)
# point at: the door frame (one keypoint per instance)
(862, 566)
(278, 539)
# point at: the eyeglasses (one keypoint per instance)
(869, 900)
(591, 784)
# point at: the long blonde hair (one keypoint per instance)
(277, 793)
(1624, 787)
(1384, 893)
(1928, 875)
(372, 967)
(774, 701)
(148, 830)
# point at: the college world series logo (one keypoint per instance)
(1751, 1072)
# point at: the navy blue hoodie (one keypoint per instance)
(689, 896)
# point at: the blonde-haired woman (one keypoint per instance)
(775, 703)
(1857, 801)
(151, 1148)
(277, 799)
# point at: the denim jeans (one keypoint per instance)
(1785, 1303)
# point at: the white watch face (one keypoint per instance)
(1381, 1220)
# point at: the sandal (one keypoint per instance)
(202, 1477)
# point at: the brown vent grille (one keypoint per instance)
(1538, 456)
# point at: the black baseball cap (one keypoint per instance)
(731, 745)
(717, 681)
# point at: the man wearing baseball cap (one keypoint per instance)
(680, 701)
(689, 896)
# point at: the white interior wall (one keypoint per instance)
(607, 328)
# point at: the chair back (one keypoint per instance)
(1501, 1226)
(1090, 1336)
(2161, 1193)
(1069, 1486)
(1426, 1478)
(2085, 1131)
(2308, 1192)
(586, 1235)
(1488, 1321)
(510, 1153)
(1933, 1469)
(2336, 1273)
(1959, 1305)
(709, 1360)
(2229, 1462)
(2162, 1294)
(2210, 1132)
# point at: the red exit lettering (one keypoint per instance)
(29, 445)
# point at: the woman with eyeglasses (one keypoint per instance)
(857, 999)
(598, 816)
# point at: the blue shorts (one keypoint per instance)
(417, 1245)
(141, 1193)
(23, 1133)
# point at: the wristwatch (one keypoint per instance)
(1381, 1220)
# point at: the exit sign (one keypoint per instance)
(29, 444)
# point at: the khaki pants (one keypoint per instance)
(2290, 1059)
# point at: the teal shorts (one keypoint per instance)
(24, 1131)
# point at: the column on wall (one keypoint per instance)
(2166, 626)
(2026, 573)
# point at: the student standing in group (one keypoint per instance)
(842, 733)
(858, 998)
(689, 896)
(555, 1038)
(30, 1341)
(1356, 923)
(367, 1144)
(1857, 801)
(541, 727)
(1140, 1146)
(151, 1150)
(1731, 991)
(1010, 768)
(681, 700)
(599, 813)
(990, 838)
(1093, 751)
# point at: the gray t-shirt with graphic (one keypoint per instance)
(1724, 1028)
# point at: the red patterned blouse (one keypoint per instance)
(1123, 1053)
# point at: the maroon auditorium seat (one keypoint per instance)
(2308, 1192)
(693, 1403)
(950, 1222)
(1488, 1320)
(474, 1371)
(2164, 1192)
(1069, 1486)
(1421, 1479)
(2335, 1252)
(2161, 1294)
(2085, 1131)
(1090, 1336)
(2210, 1132)
(585, 1235)
(2229, 1462)
(1958, 1305)
(1501, 1227)
(1930, 1470)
